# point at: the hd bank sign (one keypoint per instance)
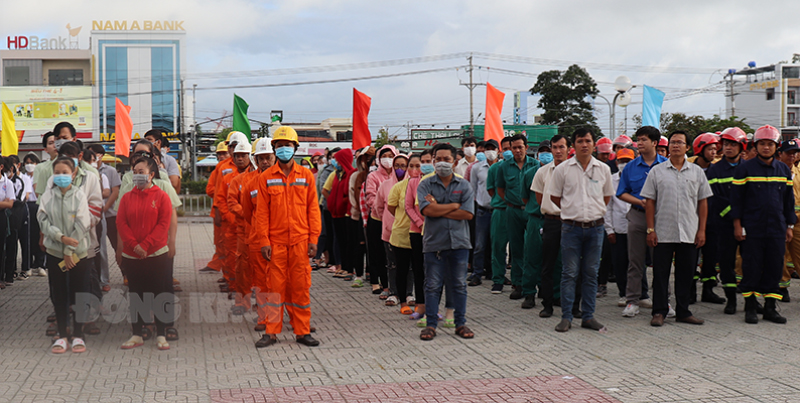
(36, 43)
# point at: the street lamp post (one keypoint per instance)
(622, 98)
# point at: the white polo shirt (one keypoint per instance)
(539, 185)
(581, 191)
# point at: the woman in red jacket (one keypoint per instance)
(143, 220)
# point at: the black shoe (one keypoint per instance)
(730, 295)
(207, 270)
(476, 281)
(546, 312)
(308, 341)
(516, 294)
(785, 294)
(709, 296)
(750, 313)
(497, 289)
(612, 279)
(770, 313)
(506, 281)
(592, 324)
(266, 341)
(530, 302)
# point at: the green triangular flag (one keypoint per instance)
(240, 121)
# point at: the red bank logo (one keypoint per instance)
(37, 43)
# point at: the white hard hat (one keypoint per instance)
(238, 137)
(243, 147)
(263, 147)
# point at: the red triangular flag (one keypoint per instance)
(494, 107)
(361, 135)
(123, 128)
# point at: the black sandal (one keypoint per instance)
(171, 334)
(147, 332)
(91, 328)
(464, 332)
(427, 334)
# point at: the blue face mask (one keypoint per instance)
(426, 168)
(62, 180)
(284, 153)
(545, 158)
(335, 164)
(480, 156)
(508, 155)
(75, 160)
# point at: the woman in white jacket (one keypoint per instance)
(64, 220)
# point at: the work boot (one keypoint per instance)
(770, 313)
(530, 301)
(750, 314)
(785, 294)
(693, 292)
(730, 295)
(547, 310)
(708, 294)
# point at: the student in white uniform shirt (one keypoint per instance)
(22, 189)
(7, 197)
(37, 266)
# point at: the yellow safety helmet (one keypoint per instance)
(285, 133)
(222, 147)
(255, 143)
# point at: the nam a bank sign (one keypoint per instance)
(135, 25)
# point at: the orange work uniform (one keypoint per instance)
(242, 269)
(218, 260)
(258, 265)
(288, 220)
(228, 224)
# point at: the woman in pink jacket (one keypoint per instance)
(399, 164)
(375, 248)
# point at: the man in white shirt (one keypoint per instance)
(582, 188)
(470, 148)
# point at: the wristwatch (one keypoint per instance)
(650, 231)
(790, 226)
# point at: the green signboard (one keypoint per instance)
(535, 133)
(425, 139)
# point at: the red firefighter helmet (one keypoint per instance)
(702, 141)
(735, 134)
(604, 145)
(767, 132)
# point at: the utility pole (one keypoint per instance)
(194, 132)
(471, 86)
(730, 74)
(181, 128)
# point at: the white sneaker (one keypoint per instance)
(671, 313)
(646, 303)
(622, 302)
(42, 272)
(27, 272)
(630, 311)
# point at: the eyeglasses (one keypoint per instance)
(143, 154)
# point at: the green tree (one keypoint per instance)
(222, 135)
(564, 99)
(384, 138)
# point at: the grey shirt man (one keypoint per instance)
(113, 181)
(676, 194)
(443, 233)
(170, 165)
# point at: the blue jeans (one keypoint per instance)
(483, 227)
(580, 253)
(446, 268)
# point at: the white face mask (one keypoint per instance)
(387, 162)
(470, 151)
(30, 167)
(621, 165)
(491, 155)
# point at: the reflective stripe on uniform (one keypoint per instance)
(782, 179)
(773, 295)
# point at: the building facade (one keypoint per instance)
(768, 95)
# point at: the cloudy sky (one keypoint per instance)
(676, 46)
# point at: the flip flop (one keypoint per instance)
(78, 345)
(133, 342)
(59, 347)
(162, 344)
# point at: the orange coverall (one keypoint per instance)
(228, 224)
(243, 272)
(258, 265)
(218, 260)
(288, 220)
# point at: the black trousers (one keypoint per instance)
(620, 258)
(355, 233)
(708, 271)
(64, 285)
(606, 263)
(345, 250)
(330, 238)
(111, 231)
(10, 254)
(418, 266)
(403, 267)
(762, 265)
(685, 255)
(27, 245)
(377, 254)
(727, 245)
(150, 292)
(551, 247)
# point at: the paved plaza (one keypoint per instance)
(371, 352)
